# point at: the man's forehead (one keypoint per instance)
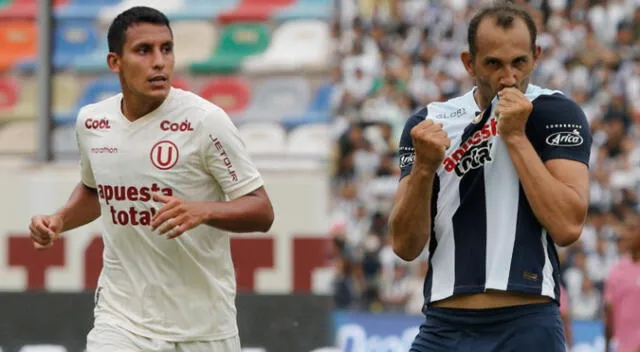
(494, 40)
(147, 33)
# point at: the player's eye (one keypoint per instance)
(493, 63)
(520, 61)
(167, 49)
(142, 50)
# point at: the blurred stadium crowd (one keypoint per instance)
(398, 55)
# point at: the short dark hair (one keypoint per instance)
(139, 14)
(504, 14)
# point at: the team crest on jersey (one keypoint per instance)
(164, 155)
(474, 152)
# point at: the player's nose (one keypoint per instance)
(508, 78)
(159, 59)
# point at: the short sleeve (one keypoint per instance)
(406, 151)
(558, 129)
(86, 172)
(226, 158)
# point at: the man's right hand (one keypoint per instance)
(44, 230)
(430, 142)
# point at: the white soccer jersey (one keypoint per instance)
(484, 233)
(180, 289)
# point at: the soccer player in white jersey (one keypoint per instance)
(491, 181)
(169, 175)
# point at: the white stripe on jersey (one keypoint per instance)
(500, 178)
(445, 254)
(548, 283)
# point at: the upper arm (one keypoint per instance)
(558, 129)
(226, 158)
(561, 135)
(573, 174)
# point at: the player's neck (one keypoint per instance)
(635, 256)
(482, 102)
(134, 109)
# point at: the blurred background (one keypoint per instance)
(320, 91)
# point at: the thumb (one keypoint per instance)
(54, 229)
(158, 197)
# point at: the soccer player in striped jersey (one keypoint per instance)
(491, 182)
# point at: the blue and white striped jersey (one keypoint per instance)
(484, 233)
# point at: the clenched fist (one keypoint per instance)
(513, 110)
(430, 142)
(44, 229)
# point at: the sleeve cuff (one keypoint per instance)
(246, 188)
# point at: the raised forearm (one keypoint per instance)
(82, 208)
(410, 220)
(251, 213)
(558, 207)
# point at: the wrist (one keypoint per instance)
(423, 170)
(515, 139)
(211, 211)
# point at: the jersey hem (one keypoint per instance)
(482, 289)
(164, 337)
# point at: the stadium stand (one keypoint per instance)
(399, 55)
(279, 92)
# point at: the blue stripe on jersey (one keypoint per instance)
(470, 234)
(527, 261)
(433, 242)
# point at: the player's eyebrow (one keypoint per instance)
(151, 43)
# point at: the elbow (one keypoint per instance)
(267, 219)
(568, 235)
(401, 246)
(405, 252)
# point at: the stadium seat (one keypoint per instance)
(95, 61)
(71, 39)
(64, 140)
(253, 11)
(27, 103)
(65, 93)
(309, 140)
(230, 93)
(82, 9)
(8, 95)
(274, 98)
(109, 12)
(99, 89)
(18, 40)
(22, 9)
(236, 42)
(319, 111)
(201, 9)
(191, 48)
(18, 137)
(263, 138)
(305, 9)
(296, 45)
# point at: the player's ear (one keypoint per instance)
(537, 52)
(467, 61)
(113, 61)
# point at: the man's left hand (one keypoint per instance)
(513, 110)
(177, 215)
